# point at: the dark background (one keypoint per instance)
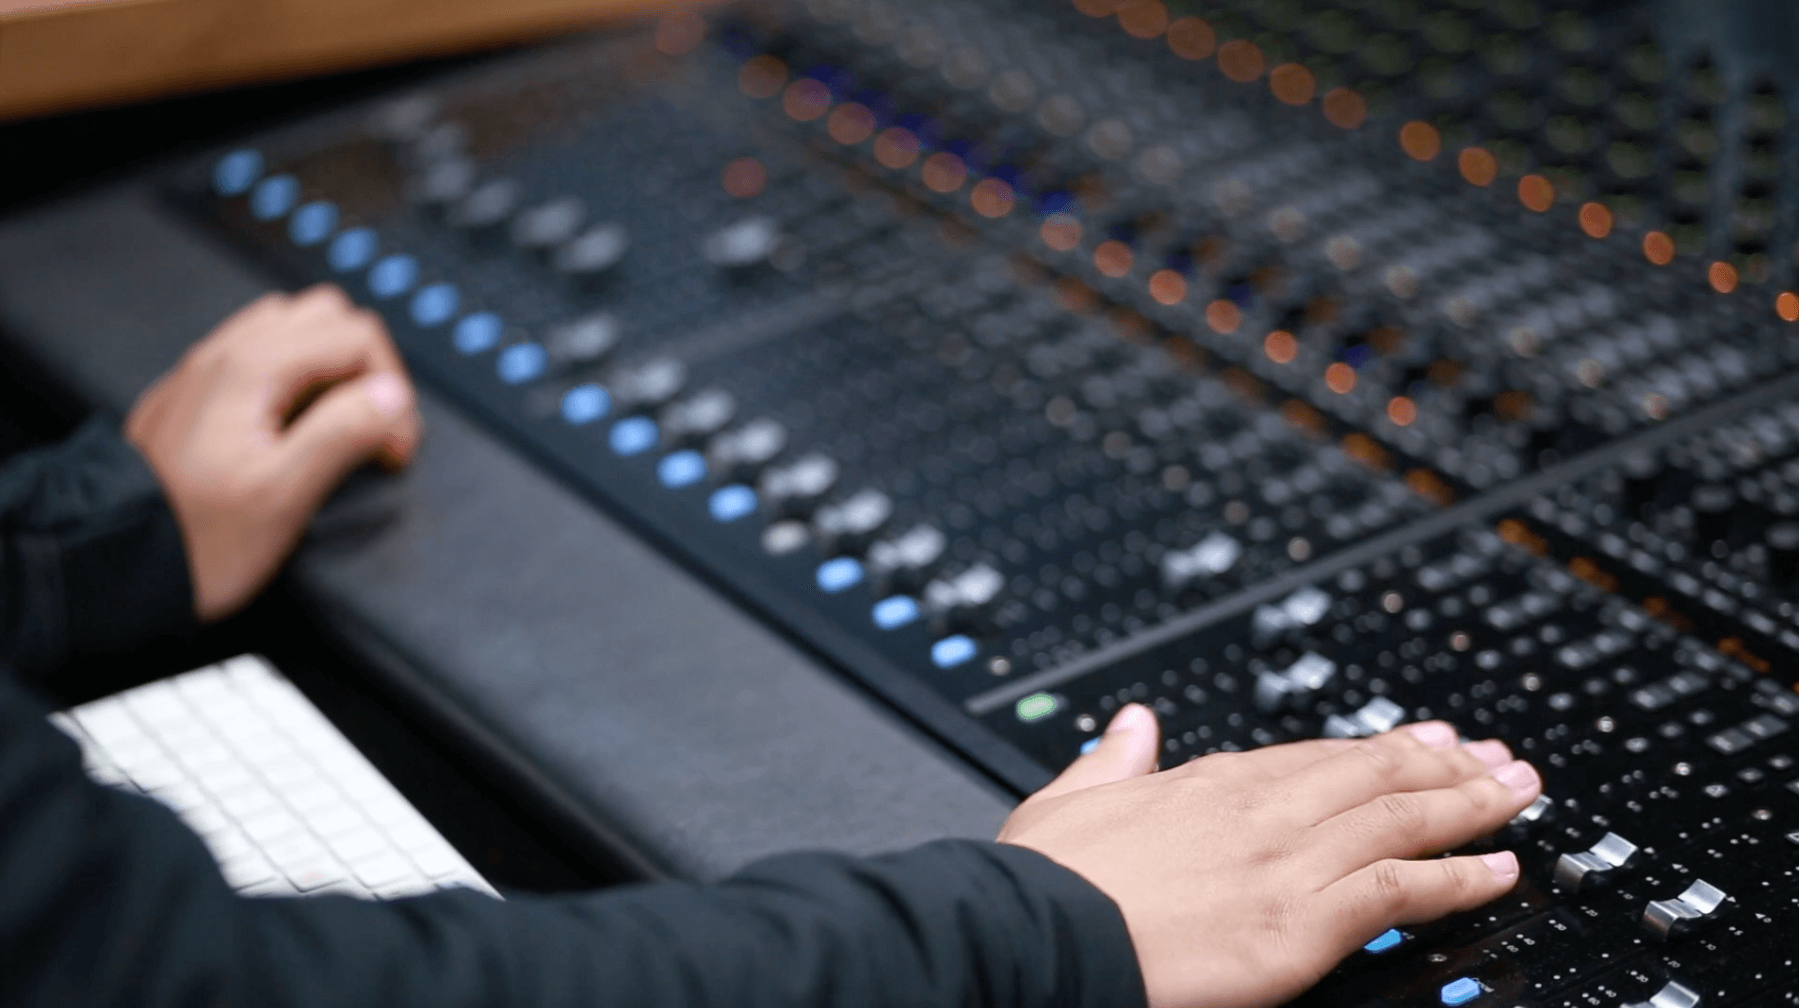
(502, 834)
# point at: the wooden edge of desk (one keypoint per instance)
(62, 58)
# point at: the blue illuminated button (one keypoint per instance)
(274, 197)
(952, 651)
(584, 404)
(352, 250)
(1387, 939)
(477, 333)
(683, 468)
(1460, 991)
(312, 223)
(839, 575)
(1090, 745)
(393, 275)
(634, 436)
(435, 305)
(895, 612)
(731, 503)
(236, 172)
(522, 362)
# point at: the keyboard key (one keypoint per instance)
(358, 846)
(228, 843)
(271, 824)
(437, 861)
(296, 848)
(332, 820)
(382, 869)
(246, 870)
(317, 873)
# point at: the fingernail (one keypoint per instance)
(1521, 777)
(387, 393)
(1133, 717)
(1492, 752)
(1503, 865)
(1435, 734)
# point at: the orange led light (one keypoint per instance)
(1280, 346)
(1478, 166)
(1345, 109)
(1113, 258)
(1420, 140)
(1191, 38)
(1787, 306)
(850, 124)
(1658, 248)
(1143, 18)
(992, 198)
(1060, 232)
(1241, 60)
(943, 172)
(1167, 287)
(1536, 193)
(745, 177)
(1340, 378)
(1292, 83)
(1402, 411)
(805, 99)
(1722, 276)
(679, 32)
(1223, 317)
(896, 148)
(762, 77)
(1595, 220)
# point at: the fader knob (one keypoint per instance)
(743, 244)
(489, 205)
(1642, 475)
(549, 224)
(593, 251)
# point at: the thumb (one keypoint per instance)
(1127, 749)
(357, 419)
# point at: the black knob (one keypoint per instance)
(1782, 539)
(1712, 505)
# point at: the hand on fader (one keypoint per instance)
(1244, 877)
(259, 421)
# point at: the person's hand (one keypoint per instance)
(259, 421)
(1244, 877)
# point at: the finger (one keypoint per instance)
(1417, 757)
(296, 357)
(1127, 749)
(346, 426)
(1403, 824)
(1387, 893)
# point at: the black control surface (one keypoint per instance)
(1303, 370)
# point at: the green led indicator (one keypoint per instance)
(1036, 707)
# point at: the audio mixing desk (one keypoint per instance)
(839, 408)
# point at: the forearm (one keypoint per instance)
(91, 558)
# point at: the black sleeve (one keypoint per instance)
(107, 899)
(91, 558)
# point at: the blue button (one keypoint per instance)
(584, 404)
(731, 503)
(522, 362)
(274, 197)
(435, 305)
(1385, 940)
(840, 574)
(952, 651)
(634, 436)
(312, 223)
(352, 250)
(683, 468)
(1090, 745)
(895, 612)
(393, 275)
(236, 172)
(1460, 991)
(477, 333)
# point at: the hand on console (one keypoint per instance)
(260, 421)
(1244, 877)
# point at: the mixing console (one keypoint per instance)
(1296, 367)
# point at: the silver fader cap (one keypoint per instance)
(1673, 994)
(1596, 865)
(1669, 918)
(745, 243)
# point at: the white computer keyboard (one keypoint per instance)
(287, 805)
